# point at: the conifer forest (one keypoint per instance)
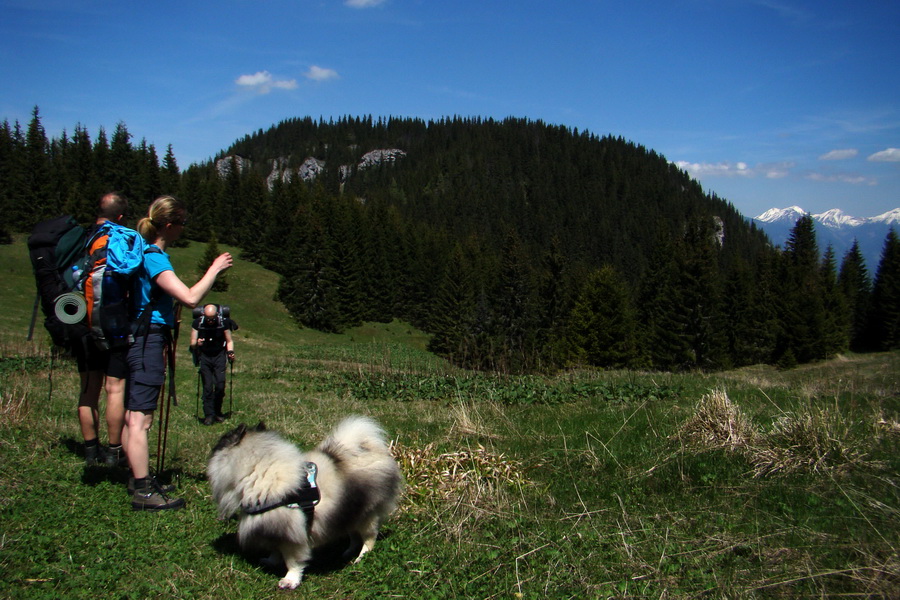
(519, 246)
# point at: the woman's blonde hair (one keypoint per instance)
(165, 209)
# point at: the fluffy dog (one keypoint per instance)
(256, 474)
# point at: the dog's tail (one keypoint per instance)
(356, 436)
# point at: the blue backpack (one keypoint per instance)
(115, 254)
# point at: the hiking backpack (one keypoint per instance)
(223, 322)
(115, 253)
(85, 281)
(56, 249)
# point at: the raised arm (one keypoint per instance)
(192, 296)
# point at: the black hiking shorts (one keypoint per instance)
(147, 366)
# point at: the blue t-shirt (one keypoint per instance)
(154, 264)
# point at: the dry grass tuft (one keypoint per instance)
(816, 440)
(718, 423)
(890, 427)
(14, 405)
(474, 475)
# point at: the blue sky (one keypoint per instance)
(768, 103)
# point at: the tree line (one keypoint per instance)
(520, 246)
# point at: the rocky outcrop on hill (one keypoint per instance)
(311, 167)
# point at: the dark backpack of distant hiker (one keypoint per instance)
(56, 248)
(213, 330)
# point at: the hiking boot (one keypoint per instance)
(149, 495)
(92, 455)
(166, 489)
(220, 418)
(208, 421)
(115, 457)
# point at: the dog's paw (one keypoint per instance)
(289, 583)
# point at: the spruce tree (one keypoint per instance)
(85, 188)
(453, 310)
(701, 295)
(664, 342)
(123, 165)
(229, 212)
(39, 202)
(553, 305)
(602, 326)
(11, 174)
(856, 285)
(189, 192)
(145, 181)
(209, 256)
(513, 310)
(343, 239)
(836, 319)
(169, 175)
(309, 291)
(803, 315)
(742, 314)
(256, 215)
(885, 316)
(381, 269)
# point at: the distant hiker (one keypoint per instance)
(212, 344)
(94, 364)
(159, 288)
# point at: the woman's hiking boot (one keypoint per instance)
(149, 495)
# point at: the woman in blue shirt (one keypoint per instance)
(158, 289)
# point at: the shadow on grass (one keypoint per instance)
(225, 416)
(96, 474)
(326, 559)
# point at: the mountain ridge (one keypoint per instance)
(834, 217)
(835, 229)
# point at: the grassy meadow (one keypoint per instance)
(754, 483)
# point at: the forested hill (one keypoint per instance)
(518, 245)
(487, 234)
(606, 200)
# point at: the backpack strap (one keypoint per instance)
(142, 324)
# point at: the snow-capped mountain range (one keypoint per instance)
(836, 229)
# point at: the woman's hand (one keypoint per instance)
(222, 263)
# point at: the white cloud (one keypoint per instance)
(259, 78)
(840, 154)
(363, 3)
(842, 178)
(737, 169)
(285, 84)
(889, 155)
(319, 74)
(263, 82)
(775, 170)
(721, 169)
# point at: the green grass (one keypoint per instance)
(582, 485)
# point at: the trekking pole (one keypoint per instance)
(50, 377)
(160, 443)
(37, 301)
(170, 397)
(197, 405)
(164, 430)
(231, 390)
